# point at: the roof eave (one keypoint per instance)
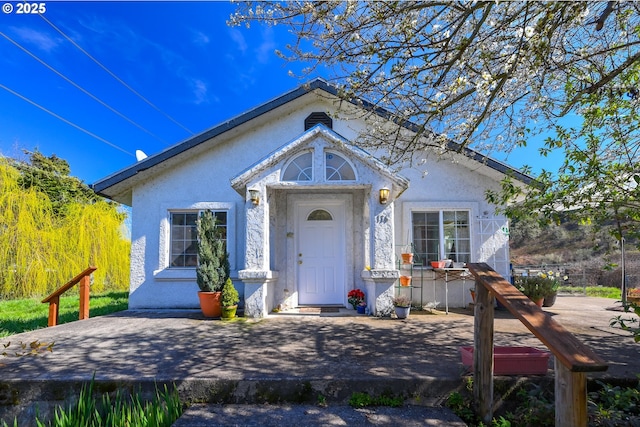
(103, 186)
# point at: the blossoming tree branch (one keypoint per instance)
(476, 73)
(489, 76)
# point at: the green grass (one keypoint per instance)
(604, 292)
(162, 411)
(29, 314)
(592, 291)
(93, 409)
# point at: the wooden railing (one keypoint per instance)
(573, 359)
(54, 299)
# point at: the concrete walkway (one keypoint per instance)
(292, 358)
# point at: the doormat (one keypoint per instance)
(319, 310)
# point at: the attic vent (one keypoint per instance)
(315, 118)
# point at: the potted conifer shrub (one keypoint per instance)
(230, 300)
(213, 264)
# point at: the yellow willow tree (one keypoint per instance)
(41, 250)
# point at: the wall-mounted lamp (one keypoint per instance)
(254, 196)
(384, 195)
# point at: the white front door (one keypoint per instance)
(320, 254)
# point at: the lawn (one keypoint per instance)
(28, 314)
(592, 291)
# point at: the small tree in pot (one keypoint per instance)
(230, 298)
(213, 264)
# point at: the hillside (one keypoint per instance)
(590, 257)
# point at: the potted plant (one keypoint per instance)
(407, 254)
(355, 298)
(535, 287)
(362, 308)
(229, 300)
(554, 284)
(633, 295)
(213, 264)
(402, 306)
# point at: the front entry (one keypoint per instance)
(320, 252)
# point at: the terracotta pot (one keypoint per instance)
(405, 281)
(229, 312)
(539, 302)
(407, 258)
(438, 264)
(210, 303)
(473, 295)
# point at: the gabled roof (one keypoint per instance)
(112, 185)
(337, 141)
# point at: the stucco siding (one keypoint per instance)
(200, 179)
(199, 182)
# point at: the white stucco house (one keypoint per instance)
(306, 212)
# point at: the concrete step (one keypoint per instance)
(243, 398)
(206, 415)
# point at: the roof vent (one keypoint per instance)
(315, 118)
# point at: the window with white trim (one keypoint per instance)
(337, 168)
(442, 234)
(300, 168)
(183, 251)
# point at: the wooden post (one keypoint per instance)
(483, 353)
(54, 299)
(573, 359)
(84, 297)
(571, 397)
(54, 307)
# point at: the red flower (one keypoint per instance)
(356, 297)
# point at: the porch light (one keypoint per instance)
(384, 195)
(254, 196)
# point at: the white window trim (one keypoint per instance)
(167, 273)
(408, 208)
(293, 159)
(343, 157)
(319, 166)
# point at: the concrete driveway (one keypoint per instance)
(286, 357)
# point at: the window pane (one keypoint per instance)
(178, 232)
(178, 247)
(319, 215)
(221, 218)
(183, 251)
(190, 219)
(191, 261)
(426, 236)
(190, 233)
(300, 169)
(177, 261)
(338, 169)
(456, 234)
(177, 219)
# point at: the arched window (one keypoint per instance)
(337, 168)
(319, 215)
(299, 169)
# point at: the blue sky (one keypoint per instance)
(180, 57)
